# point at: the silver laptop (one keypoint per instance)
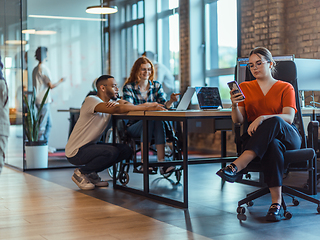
(185, 100)
(208, 98)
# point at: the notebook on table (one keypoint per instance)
(209, 98)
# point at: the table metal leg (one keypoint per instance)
(223, 147)
(185, 163)
(114, 129)
(145, 156)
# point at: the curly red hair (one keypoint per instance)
(135, 70)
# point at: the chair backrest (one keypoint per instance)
(74, 115)
(287, 72)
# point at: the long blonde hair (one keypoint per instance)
(135, 70)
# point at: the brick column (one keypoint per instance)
(184, 19)
(263, 24)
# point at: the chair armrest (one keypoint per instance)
(313, 128)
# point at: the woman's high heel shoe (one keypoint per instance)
(274, 213)
(230, 173)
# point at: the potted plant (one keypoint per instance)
(36, 150)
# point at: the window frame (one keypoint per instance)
(160, 16)
(125, 29)
(216, 72)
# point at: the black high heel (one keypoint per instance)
(274, 213)
(230, 173)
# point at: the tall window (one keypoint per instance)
(132, 34)
(220, 43)
(168, 36)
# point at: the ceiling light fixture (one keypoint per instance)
(45, 32)
(38, 32)
(104, 8)
(15, 42)
(67, 18)
(30, 31)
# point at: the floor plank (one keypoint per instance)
(34, 208)
(211, 213)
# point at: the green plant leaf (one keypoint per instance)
(33, 116)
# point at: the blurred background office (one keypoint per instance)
(198, 41)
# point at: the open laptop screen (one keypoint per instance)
(208, 98)
(185, 100)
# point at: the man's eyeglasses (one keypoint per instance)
(258, 64)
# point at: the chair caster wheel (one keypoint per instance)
(241, 210)
(250, 203)
(295, 202)
(124, 178)
(288, 215)
(242, 217)
(318, 209)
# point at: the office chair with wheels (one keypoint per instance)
(134, 142)
(303, 159)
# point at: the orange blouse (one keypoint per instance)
(280, 95)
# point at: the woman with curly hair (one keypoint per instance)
(140, 88)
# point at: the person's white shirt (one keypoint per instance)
(40, 78)
(165, 77)
(89, 127)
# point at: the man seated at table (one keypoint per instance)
(83, 148)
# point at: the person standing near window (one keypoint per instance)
(4, 116)
(41, 81)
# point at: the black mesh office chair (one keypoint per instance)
(303, 159)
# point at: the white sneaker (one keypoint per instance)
(51, 149)
(81, 180)
(96, 180)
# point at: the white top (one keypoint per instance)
(165, 77)
(4, 111)
(89, 126)
(40, 80)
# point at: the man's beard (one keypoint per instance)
(115, 97)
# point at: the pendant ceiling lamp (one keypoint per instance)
(104, 8)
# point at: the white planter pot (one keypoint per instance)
(36, 156)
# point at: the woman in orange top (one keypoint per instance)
(269, 107)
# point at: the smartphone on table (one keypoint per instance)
(233, 85)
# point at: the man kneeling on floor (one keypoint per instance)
(83, 148)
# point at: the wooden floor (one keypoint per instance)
(46, 204)
(33, 208)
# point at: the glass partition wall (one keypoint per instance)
(72, 39)
(11, 48)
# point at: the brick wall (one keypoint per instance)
(184, 19)
(302, 32)
(285, 27)
(282, 26)
(262, 24)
